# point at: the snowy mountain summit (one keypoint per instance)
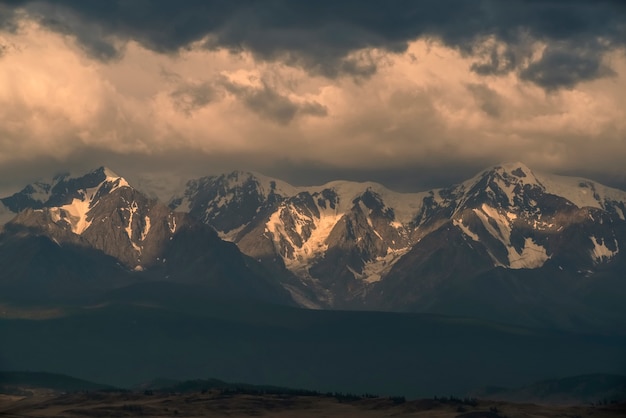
(64, 189)
(526, 212)
(98, 209)
(344, 240)
(507, 236)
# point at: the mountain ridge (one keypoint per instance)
(98, 226)
(300, 226)
(359, 245)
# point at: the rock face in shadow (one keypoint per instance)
(509, 243)
(97, 232)
(361, 246)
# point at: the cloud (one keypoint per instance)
(7, 17)
(423, 110)
(190, 97)
(487, 99)
(561, 66)
(320, 36)
(267, 103)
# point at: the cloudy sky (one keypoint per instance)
(411, 94)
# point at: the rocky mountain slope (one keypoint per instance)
(95, 231)
(334, 237)
(509, 243)
(360, 245)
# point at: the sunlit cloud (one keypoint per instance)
(428, 104)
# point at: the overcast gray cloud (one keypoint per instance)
(412, 94)
(320, 35)
(567, 65)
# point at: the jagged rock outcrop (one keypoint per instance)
(509, 243)
(359, 245)
(100, 213)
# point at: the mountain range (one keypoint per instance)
(76, 237)
(508, 244)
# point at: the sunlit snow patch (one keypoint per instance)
(532, 256)
(75, 213)
(459, 223)
(146, 228)
(601, 252)
(312, 247)
(171, 223)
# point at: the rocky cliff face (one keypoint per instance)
(334, 238)
(508, 243)
(359, 245)
(100, 212)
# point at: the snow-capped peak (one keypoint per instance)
(519, 171)
(84, 193)
(505, 175)
(105, 174)
(516, 168)
(266, 185)
(404, 205)
(586, 193)
(502, 184)
(108, 172)
(60, 189)
(515, 185)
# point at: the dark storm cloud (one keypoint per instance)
(7, 17)
(320, 35)
(566, 66)
(496, 63)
